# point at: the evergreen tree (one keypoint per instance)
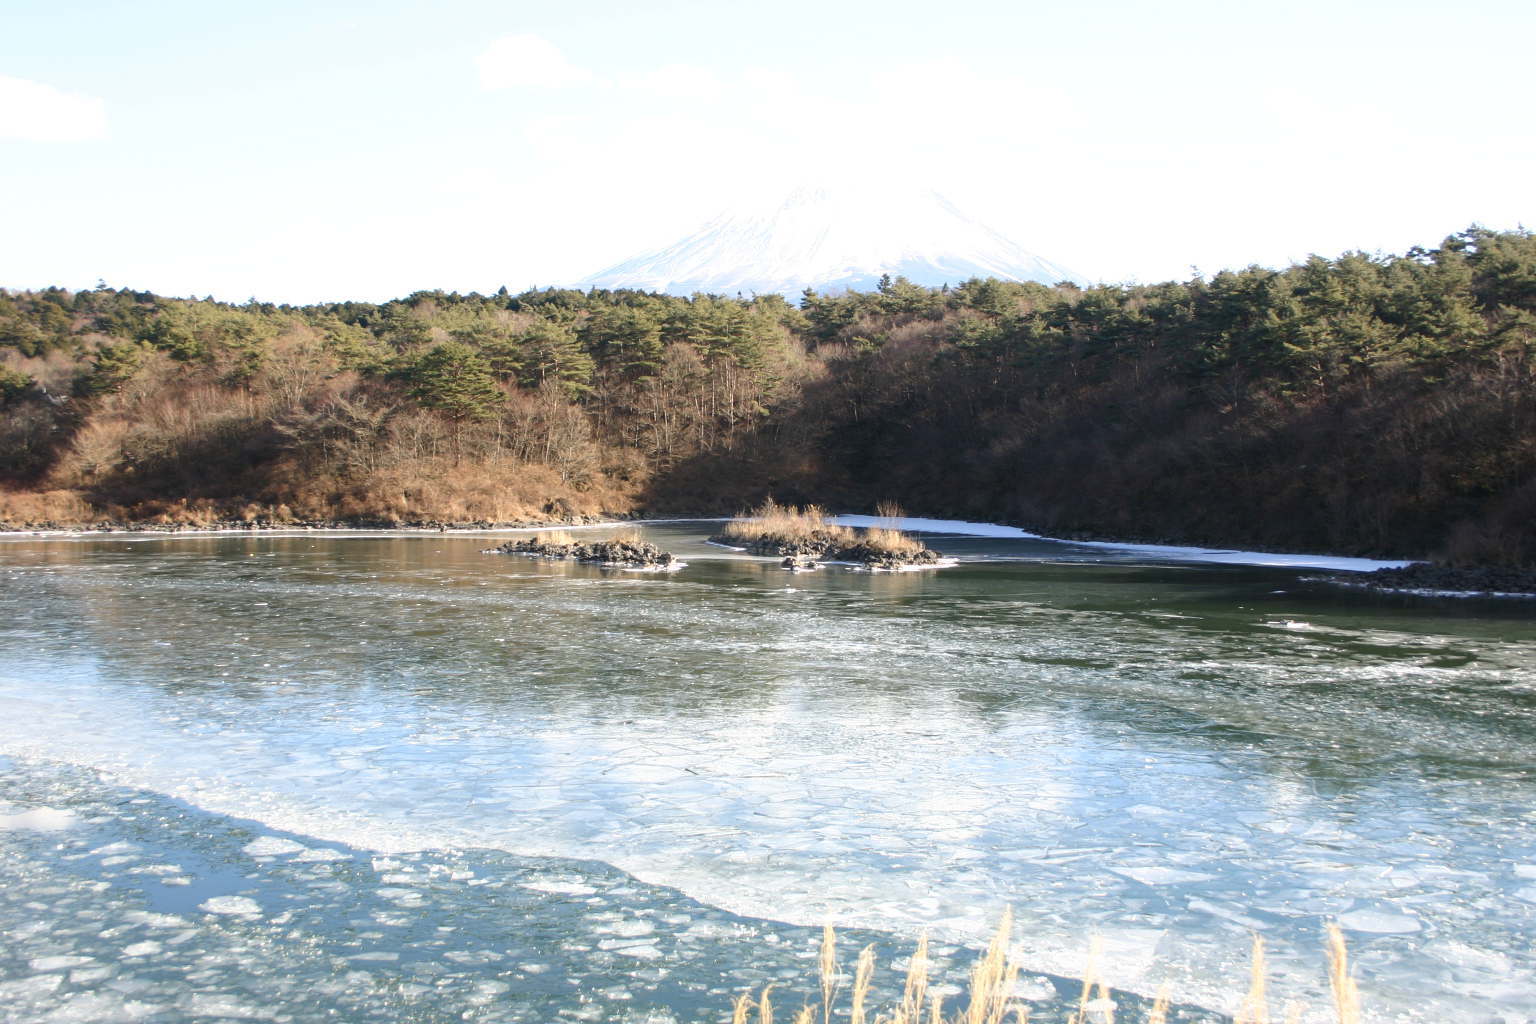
(624, 339)
(455, 380)
(552, 353)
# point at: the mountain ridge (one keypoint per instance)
(832, 239)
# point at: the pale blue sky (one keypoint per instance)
(362, 150)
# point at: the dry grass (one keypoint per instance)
(990, 998)
(562, 538)
(772, 521)
(892, 542)
(1346, 995)
(63, 506)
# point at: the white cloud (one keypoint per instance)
(35, 112)
(528, 60)
(678, 81)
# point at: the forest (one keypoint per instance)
(1365, 404)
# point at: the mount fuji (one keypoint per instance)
(832, 239)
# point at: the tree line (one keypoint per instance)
(1367, 403)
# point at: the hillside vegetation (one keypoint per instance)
(1377, 405)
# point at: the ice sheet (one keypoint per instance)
(897, 752)
(1163, 551)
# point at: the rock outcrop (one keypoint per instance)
(1427, 577)
(821, 546)
(627, 554)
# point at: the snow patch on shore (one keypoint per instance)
(1224, 556)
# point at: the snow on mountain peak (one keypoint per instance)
(832, 237)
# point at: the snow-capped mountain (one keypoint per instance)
(832, 239)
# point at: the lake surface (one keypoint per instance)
(388, 777)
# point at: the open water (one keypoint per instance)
(385, 777)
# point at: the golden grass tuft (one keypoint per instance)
(555, 537)
(1346, 995)
(995, 975)
(773, 524)
(1255, 1008)
(892, 542)
(828, 966)
(772, 521)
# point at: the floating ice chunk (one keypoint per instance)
(321, 854)
(80, 1007)
(58, 963)
(114, 848)
(13, 992)
(646, 951)
(1147, 811)
(1226, 914)
(230, 905)
(633, 928)
(147, 948)
(1379, 922)
(1034, 988)
(560, 888)
(272, 846)
(1525, 870)
(1459, 954)
(209, 1006)
(39, 819)
(158, 869)
(1154, 875)
(152, 920)
(376, 955)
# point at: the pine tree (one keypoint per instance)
(455, 380)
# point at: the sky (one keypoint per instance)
(298, 152)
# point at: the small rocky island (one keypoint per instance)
(804, 538)
(627, 551)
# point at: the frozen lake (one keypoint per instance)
(387, 777)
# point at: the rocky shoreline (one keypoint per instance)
(1428, 578)
(624, 554)
(267, 523)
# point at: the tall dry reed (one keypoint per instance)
(1346, 995)
(994, 976)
